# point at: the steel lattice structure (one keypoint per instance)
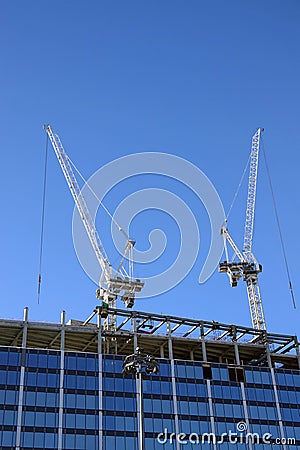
(246, 266)
(112, 283)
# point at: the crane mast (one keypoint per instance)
(112, 283)
(244, 264)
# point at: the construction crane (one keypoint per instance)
(244, 264)
(112, 283)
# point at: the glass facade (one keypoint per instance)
(204, 401)
(62, 399)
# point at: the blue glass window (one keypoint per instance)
(29, 398)
(180, 371)
(120, 423)
(130, 404)
(167, 406)
(69, 441)
(198, 372)
(92, 422)
(130, 423)
(91, 442)
(108, 384)
(203, 409)
(28, 418)
(166, 387)
(41, 379)
(220, 373)
(9, 417)
(11, 397)
(193, 408)
(14, 358)
(80, 421)
(3, 358)
(81, 363)
(190, 372)
(80, 442)
(164, 369)
(131, 443)
(181, 389)
(51, 420)
(92, 364)
(109, 422)
(8, 438)
(201, 390)
(69, 421)
(27, 439)
(183, 407)
(70, 381)
(112, 365)
(9, 377)
(129, 385)
(120, 404)
(39, 440)
(3, 377)
(52, 399)
(91, 402)
(110, 443)
(70, 362)
(50, 440)
(41, 399)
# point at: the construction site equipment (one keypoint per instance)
(112, 283)
(244, 264)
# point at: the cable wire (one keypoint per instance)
(42, 223)
(279, 228)
(97, 198)
(238, 189)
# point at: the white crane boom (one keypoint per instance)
(112, 283)
(247, 266)
(250, 210)
(80, 203)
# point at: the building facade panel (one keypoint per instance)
(49, 398)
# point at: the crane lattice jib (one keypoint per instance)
(249, 223)
(80, 204)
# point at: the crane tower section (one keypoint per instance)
(243, 264)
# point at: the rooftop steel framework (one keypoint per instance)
(192, 339)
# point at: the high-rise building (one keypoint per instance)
(218, 386)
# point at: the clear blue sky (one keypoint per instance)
(193, 78)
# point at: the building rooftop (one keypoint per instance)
(190, 338)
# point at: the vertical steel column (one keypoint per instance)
(297, 350)
(22, 376)
(100, 378)
(208, 385)
(139, 392)
(162, 351)
(275, 394)
(61, 379)
(175, 405)
(141, 409)
(245, 407)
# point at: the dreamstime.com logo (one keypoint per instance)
(166, 165)
(232, 437)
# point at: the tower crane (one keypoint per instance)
(112, 283)
(244, 264)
